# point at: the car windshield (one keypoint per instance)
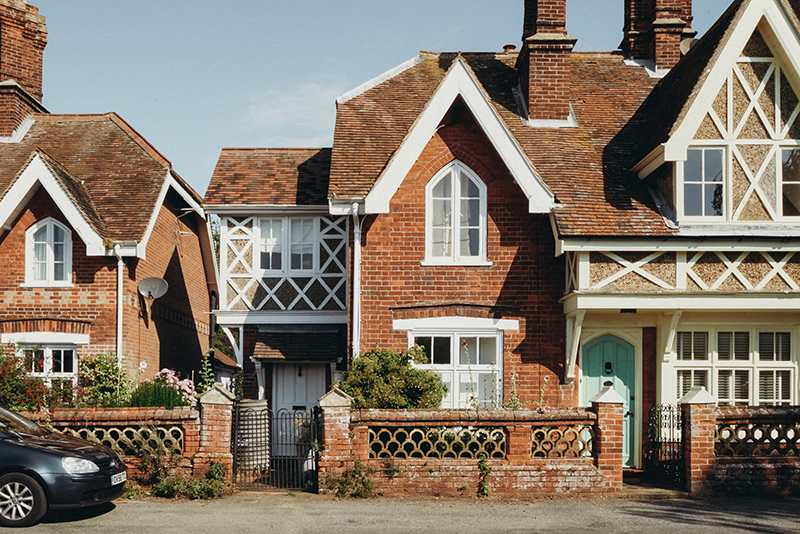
(12, 422)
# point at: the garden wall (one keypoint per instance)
(439, 452)
(199, 435)
(741, 449)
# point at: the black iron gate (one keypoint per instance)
(664, 459)
(275, 450)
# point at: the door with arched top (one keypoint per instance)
(610, 359)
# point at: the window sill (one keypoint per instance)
(443, 263)
(47, 286)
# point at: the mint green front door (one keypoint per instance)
(611, 359)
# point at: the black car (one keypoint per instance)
(41, 470)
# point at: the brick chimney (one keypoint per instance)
(544, 60)
(658, 30)
(23, 36)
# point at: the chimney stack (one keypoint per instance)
(658, 30)
(544, 60)
(23, 36)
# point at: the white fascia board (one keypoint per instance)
(459, 82)
(256, 209)
(24, 188)
(649, 66)
(237, 318)
(676, 146)
(674, 245)
(44, 338)
(142, 249)
(441, 324)
(353, 206)
(719, 302)
(650, 163)
(185, 195)
(389, 74)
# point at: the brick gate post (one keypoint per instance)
(608, 440)
(216, 409)
(337, 448)
(699, 409)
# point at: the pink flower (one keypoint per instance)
(545, 409)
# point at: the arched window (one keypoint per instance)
(455, 217)
(48, 257)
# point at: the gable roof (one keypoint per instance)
(587, 168)
(112, 176)
(270, 177)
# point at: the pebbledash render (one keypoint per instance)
(89, 209)
(542, 221)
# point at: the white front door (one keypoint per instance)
(297, 386)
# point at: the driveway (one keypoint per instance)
(306, 513)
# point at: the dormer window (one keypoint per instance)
(48, 257)
(704, 183)
(455, 217)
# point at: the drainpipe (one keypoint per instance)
(120, 268)
(356, 282)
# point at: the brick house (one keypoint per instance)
(543, 220)
(89, 209)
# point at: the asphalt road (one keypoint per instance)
(306, 513)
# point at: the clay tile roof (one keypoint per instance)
(114, 175)
(587, 168)
(293, 346)
(271, 176)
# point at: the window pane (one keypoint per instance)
(37, 360)
(693, 199)
(713, 199)
(724, 385)
(271, 244)
(741, 386)
(469, 189)
(425, 343)
(470, 242)
(69, 361)
(782, 346)
(487, 389)
(684, 345)
(700, 345)
(470, 212)
(40, 236)
(302, 244)
(58, 234)
(441, 245)
(488, 351)
(441, 350)
(468, 351)
(774, 346)
(442, 213)
(713, 165)
(443, 189)
(693, 168)
(57, 356)
(733, 346)
(791, 182)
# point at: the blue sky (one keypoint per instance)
(194, 76)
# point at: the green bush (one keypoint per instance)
(157, 394)
(18, 391)
(385, 379)
(103, 382)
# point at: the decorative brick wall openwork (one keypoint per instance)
(741, 449)
(201, 435)
(565, 451)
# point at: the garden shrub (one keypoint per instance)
(165, 390)
(18, 391)
(385, 379)
(104, 382)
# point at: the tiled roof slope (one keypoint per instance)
(113, 174)
(587, 168)
(271, 176)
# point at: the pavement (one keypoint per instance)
(291, 513)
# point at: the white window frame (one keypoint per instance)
(455, 372)
(754, 365)
(30, 255)
(460, 172)
(47, 374)
(286, 244)
(725, 183)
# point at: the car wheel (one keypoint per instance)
(22, 501)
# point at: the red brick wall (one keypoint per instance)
(524, 282)
(175, 336)
(23, 36)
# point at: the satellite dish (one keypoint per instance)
(153, 287)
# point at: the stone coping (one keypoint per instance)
(504, 416)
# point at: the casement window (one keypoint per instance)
(704, 182)
(288, 244)
(738, 365)
(455, 217)
(48, 255)
(790, 182)
(51, 363)
(469, 365)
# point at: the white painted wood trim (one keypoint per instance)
(44, 338)
(460, 324)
